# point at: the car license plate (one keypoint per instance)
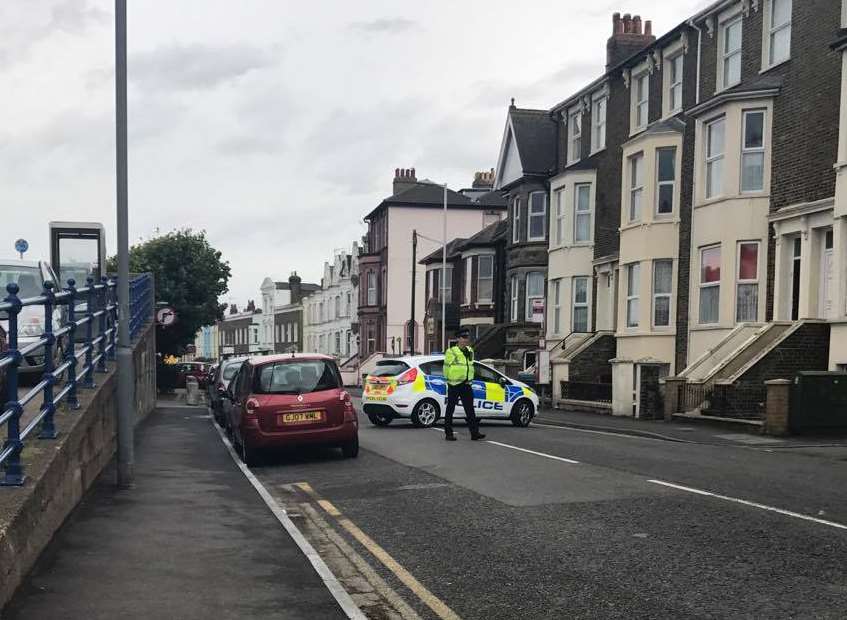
(377, 397)
(301, 417)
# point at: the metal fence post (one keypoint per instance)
(103, 309)
(73, 401)
(48, 427)
(14, 474)
(89, 336)
(113, 318)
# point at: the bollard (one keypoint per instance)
(192, 391)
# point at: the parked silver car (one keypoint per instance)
(30, 277)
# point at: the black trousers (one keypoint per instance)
(455, 393)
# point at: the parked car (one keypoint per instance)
(217, 386)
(279, 401)
(414, 387)
(30, 277)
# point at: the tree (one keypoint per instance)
(189, 276)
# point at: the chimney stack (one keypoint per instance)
(295, 288)
(483, 180)
(404, 178)
(629, 36)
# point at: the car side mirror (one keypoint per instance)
(505, 381)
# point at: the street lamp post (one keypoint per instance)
(444, 277)
(126, 375)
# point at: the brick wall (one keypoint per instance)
(592, 364)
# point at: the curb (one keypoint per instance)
(612, 429)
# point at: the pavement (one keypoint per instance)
(193, 539)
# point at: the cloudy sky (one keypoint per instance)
(274, 125)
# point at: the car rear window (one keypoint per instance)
(230, 370)
(296, 377)
(433, 369)
(28, 280)
(390, 368)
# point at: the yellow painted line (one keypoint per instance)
(438, 606)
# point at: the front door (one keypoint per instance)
(825, 297)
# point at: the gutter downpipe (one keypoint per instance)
(699, 57)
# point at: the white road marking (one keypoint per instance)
(745, 502)
(335, 588)
(542, 454)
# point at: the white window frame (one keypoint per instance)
(745, 150)
(640, 105)
(704, 285)
(574, 135)
(599, 110)
(769, 30)
(588, 213)
(725, 57)
(516, 220)
(657, 295)
(468, 275)
(747, 281)
(660, 183)
(584, 304)
(636, 186)
(557, 306)
(536, 216)
(371, 288)
(445, 290)
(294, 330)
(712, 159)
(488, 258)
(675, 85)
(513, 287)
(527, 297)
(633, 281)
(559, 195)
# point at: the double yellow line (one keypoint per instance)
(406, 578)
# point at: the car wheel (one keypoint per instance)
(522, 413)
(350, 450)
(426, 413)
(380, 419)
(247, 454)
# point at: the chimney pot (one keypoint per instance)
(617, 24)
(397, 173)
(636, 24)
(648, 28)
(627, 23)
(413, 173)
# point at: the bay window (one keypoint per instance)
(560, 216)
(675, 84)
(371, 290)
(710, 284)
(582, 213)
(537, 217)
(636, 186)
(666, 180)
(747, 284)
(580, 305)
(468, 275)
(557, 306)
(753, 152)
(633, 274)
(516, 220)
(485, 279)
(641, 100)
(715, 147)
(662, 284)
(445, 279)
(534, 291)
(513, 287)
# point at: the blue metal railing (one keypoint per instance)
(68, 356)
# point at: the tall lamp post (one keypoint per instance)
(126, 378)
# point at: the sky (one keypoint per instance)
(274, 125)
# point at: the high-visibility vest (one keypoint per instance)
(458, 368)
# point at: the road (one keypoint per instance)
(551, 522)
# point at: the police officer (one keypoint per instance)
(459, 371)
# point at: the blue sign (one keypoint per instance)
(21, 246)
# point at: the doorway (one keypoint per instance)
(795, 278)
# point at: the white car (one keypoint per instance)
(414, 387)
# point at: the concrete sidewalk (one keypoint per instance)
(193, 539)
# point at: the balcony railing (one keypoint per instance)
(70, 349)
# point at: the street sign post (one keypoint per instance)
(21, 246)
(165, 317)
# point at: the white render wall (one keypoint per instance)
(321, 322)
(401, 222)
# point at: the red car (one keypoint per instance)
(198, 370)
(279, 401)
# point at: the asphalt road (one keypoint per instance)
(550, 522)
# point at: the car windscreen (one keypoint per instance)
(296, 377)
(28, 280)
(389, 368)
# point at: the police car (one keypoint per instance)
(415, 388)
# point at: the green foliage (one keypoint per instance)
(190, 277)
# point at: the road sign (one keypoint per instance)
(21, 246)
(165, 316)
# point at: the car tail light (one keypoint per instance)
(407, 377)
(250, 406)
